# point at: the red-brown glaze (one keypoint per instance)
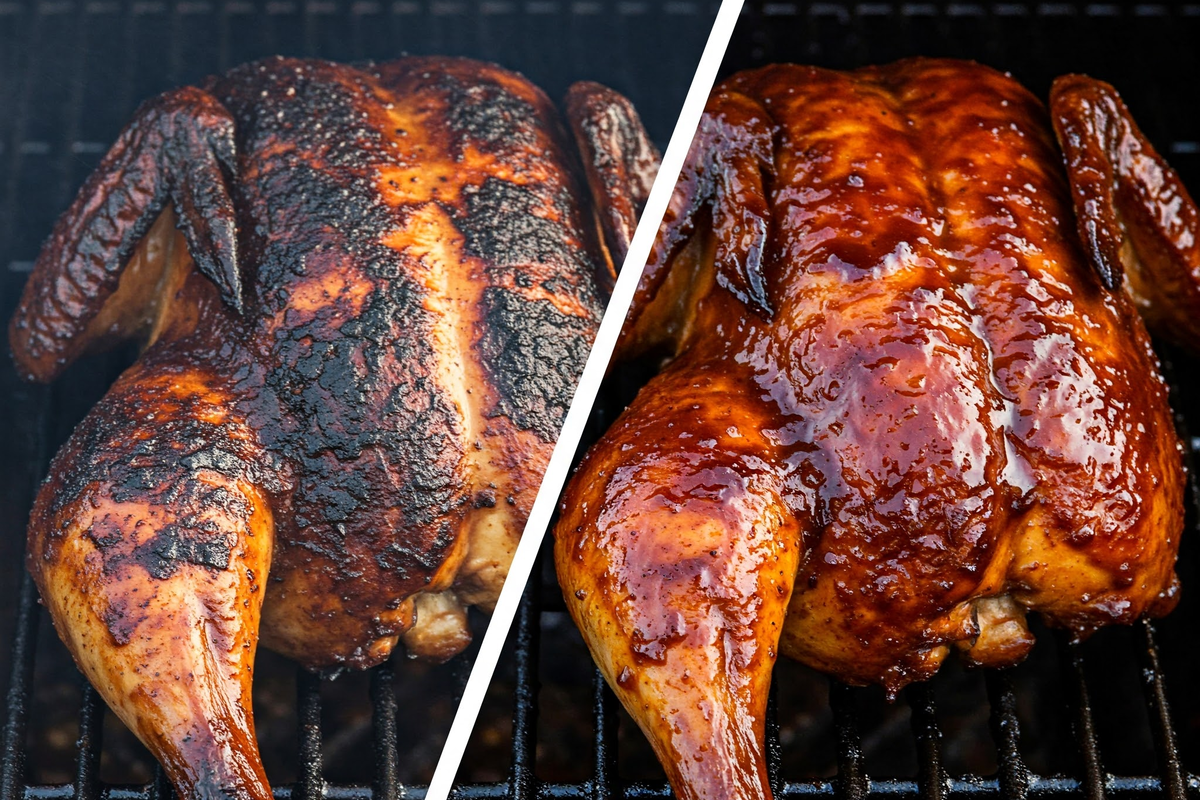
(618, 159)
(922, 385)
(1135, 216)
(358, 396)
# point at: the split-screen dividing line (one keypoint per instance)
(581, 405)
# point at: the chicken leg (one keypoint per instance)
(680, 585)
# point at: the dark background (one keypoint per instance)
(71, 73)
(1151, 53)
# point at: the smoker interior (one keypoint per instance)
(1117, 716)
(71, 74)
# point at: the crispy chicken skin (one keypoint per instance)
(366, 295)
(905, 403)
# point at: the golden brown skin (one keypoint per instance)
(362, 340)
(902, 409)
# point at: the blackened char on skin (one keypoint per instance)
(310, 453)
(156, 448)
(348, 391)
(486, 115)
(532, 364)
(376, 441)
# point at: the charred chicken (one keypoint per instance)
(365, 294)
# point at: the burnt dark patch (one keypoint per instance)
(143, 442)
(202, 543)
(502, 227)
(105, 533)
(120, 620)
(534, 355)
(487, 115)
(376, 439)
(307, 104)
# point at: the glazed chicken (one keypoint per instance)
(909, 399)
(366, 294)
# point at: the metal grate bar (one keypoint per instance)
(1155, 687)
(1006, 731)
(160, 788)
(383, 720)
(957, 789)
(1081, 722)
(931, 776)
(91, 737)
(604, 720)
(311, 785)
(523, 781)
(773, 747)
(12, 767)
(851, 783)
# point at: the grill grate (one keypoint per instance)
(1145, 51)
(1013, 780)
(71, 74)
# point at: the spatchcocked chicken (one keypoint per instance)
(366, 295)
(909, 398)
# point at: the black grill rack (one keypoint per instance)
(71, 74)
(1013, 780)
(1069, 740)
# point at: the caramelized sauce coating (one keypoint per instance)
(901, 410)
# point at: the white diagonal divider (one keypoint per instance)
(581, 404)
